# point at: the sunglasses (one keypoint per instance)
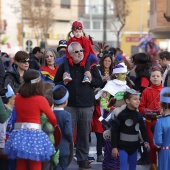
(25, 61)
(63, 42)
(47, 56)
(77, 28)
(77, 51)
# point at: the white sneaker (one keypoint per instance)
(67, 78)
(86, 79)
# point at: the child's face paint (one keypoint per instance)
(121, 76)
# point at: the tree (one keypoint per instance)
(119, 19)
(38, 15)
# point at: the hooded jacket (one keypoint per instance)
(13, 78)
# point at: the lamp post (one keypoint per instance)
(104, 20)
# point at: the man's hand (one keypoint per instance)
(64, 75)
(115, 152)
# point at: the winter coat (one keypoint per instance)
(13, 78)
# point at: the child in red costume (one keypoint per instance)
(89, 55)
(27, 142)
(150, 109)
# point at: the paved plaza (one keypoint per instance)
(97, 165)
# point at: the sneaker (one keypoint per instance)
(86, 79)
(99, 158)
(90, 159)
(84, 165)
(67, 78)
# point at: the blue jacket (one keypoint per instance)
(65, 124)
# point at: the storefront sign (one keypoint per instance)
(132, 39)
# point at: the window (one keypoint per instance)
(86, 24)
(108, 25)
(65, 3)
(96, 25)
(37, 3)
(48, 3)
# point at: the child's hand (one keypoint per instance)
(115, 152)
(146, 145)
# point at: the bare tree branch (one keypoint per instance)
(38, 15)
(119, 20)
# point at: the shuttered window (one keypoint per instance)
(65, 3)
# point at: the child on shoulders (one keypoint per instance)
(89, 56)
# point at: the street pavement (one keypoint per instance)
(97, 165)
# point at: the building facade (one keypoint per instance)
(137, 25)
(64, 13)
(91, 14)
(160, 22)
(8, 28)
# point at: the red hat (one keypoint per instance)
(77, 25)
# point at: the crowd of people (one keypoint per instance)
(51, 100)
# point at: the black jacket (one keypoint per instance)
(2, 73)
(12, 78)
(80, 94)
(35, 63)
